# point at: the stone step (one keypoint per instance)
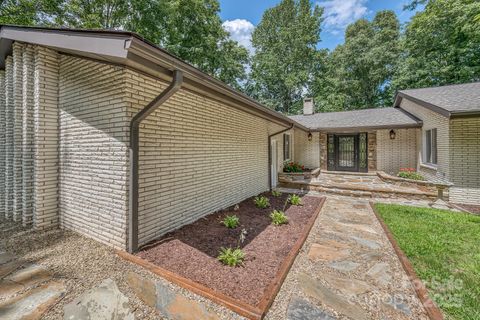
(22, 279)
(33, 303)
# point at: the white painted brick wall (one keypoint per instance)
(307, 152)
(9, 137)
(465, 160)
(431, 120)
(3, 113)
(46, 138)
(17, 54)
(93, 150)
(197, 155)
(400, 152)
(28, 133)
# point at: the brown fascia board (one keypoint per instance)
(130, 49)
(366, 128)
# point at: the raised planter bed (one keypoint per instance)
(295, 176)
(424, 185)
(188, 256)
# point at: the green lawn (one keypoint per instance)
(444, 248)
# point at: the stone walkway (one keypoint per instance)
(347, 269)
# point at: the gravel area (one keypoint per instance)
(192, 250)
(82, 263)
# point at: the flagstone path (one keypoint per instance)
(347, 270)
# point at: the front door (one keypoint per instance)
(346, 152)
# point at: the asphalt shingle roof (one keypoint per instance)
(457, 98)
(367, 118)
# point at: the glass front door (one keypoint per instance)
(347, 152)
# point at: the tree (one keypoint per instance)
(285, 54)
(442, 45)
(359, 72)
(27, 12)
(190, 29)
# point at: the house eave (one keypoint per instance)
(366, 128)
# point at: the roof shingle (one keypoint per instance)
(377, 118)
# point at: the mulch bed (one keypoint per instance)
(192, 251)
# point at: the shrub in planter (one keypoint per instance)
(290, 166)
(294, 199)
(278, 217)
(262, 202)
(410, 173)
(231, 257)
(231, 221)
(276, 193)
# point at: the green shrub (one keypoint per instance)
(410, 173)
(278, 217)
(231, 257)
(294, 199)
(231, 221)
(262, 202)
(276, 193)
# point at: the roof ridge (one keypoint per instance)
(441, 86)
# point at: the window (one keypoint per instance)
(431, 146)
(286, 147)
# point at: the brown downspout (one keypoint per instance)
(270, 154)
(134, 151)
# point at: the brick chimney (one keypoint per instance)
(308, 106)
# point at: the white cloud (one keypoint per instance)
(241, 31)
(339, 14)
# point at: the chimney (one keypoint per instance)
(308, 106)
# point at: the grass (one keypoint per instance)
(444, 249)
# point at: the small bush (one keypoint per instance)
(231, 221)
(410, 173)
(262, 202)
(278, 217)
(294, 200)
(290, 166)
(276, 193)
(231, 257)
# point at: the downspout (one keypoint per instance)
(270, 153)
(134, 152)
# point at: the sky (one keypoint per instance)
(241, 16)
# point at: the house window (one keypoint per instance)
(431, 146)
(287, 147)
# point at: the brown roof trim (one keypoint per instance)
(366, 128)
(449, 114)
(122, 46)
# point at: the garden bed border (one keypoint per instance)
(433, 311)
(243, 309)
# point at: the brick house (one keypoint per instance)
(110, 136)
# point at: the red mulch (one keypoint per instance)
(192, 250)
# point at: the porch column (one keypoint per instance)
(9, 118)
(2, 143)
(28, 134)
(17, 130)
(46, 160)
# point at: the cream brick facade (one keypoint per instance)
(401, 152)
(93, 150)
(465, 160)
(307, 152)
(197, 155)
(431, 120)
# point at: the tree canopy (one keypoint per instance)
(439, 45)
(285, 54)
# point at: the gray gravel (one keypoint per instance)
(82, 264)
